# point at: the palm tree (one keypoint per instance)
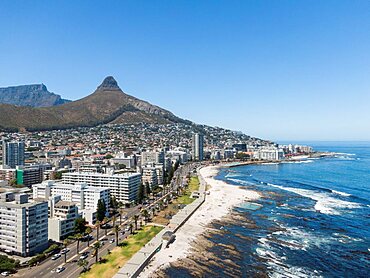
(136, 217)
(145, 213)
(65, 243)
(153, 212)
(120, 215)
(78, 237)
(83, 264)
(116, 231)
(88, 232)
(131, 227)
(97, 225)
(96, 246)
(105, 221)
(114, 218)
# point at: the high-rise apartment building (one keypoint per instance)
(197, 147)
(13, 153)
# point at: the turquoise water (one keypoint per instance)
(312, 221)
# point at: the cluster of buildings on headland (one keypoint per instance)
(49, 179)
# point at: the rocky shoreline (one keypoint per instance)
(192, 244)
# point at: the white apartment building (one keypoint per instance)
(152, 174)
(62, 216)
(124, 187)
(84, 196)
(269, 153)
(23, 225)
(152, 157)
(149, 176)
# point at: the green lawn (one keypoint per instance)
(120, 255)
(193, 186)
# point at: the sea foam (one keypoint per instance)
(324, 203)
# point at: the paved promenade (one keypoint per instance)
(138, 262)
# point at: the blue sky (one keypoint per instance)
(281, 70)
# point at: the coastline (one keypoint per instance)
(219, 203)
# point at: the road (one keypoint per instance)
(47, 267)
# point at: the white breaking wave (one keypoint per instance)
(232, 175)
(240, 181)
(341, 193)
(349, 154)
(324, 203)
(298, 162)
(277, 264)
(346, 239)
(300, 239)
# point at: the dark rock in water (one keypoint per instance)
(36, 95)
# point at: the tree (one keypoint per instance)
(83, 264)
(131, 227)
(80, 225)
(114, 219)
(13, 182)
(147, 189)
(101, 210)
(120, 215)
(8, 264)
(97, 225)
(65, 243)
(96, 247)
(88, 232)
(114, 204)
(108, 156)
(78, 237)
(140, 193)
(145, 213)
(58, 175)
(136, 217)
(105, 221)
(116, 231)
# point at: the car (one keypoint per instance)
(55, 257)
(127, 229)
(83, 256)
(5, 273)
(60, 269)
(64, 250)
(112, 240)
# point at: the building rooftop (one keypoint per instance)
(126, 174)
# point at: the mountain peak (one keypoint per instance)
(109, 83)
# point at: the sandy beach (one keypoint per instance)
(218, 204)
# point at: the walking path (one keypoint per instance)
(137, 263)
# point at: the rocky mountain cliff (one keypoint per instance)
(36, 95)
(108, 104)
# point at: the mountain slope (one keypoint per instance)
(36, 95)
(108, 104)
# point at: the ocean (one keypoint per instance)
(312, 221)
